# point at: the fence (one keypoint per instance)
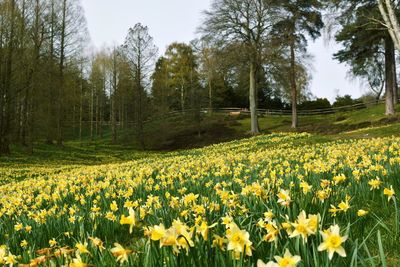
(262, 112)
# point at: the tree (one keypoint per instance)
(140, 53)
(279, 67)
(373, 71)
(300, 18)
(182, 73)
(363, 38)
(208, 68)
(39, 42)
(98, 83)
(115, 60)
(390, 19)
(161, 91)
(247, 22)
(8, 46)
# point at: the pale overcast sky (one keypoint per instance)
(177, 20)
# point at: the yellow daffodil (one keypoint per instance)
(129, 220)
(82, 248)
(238, 240)
(389, 192)
(96, 242)
(10, 259)
(301, 227)
(18, 227)
(3, 253)
(120, 253)
(219, 242)
(24, 243)
(332, 241)
(375, 183)
(284, 198)
(157, 232)
(361, 213)
(344, 206)
(288, 260)
(52, 242)
(114, 206)
(77, 262)
(203, 229)
(305, 187)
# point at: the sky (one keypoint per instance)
(177, 20)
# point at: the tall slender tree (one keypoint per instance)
(141, 53)
(299, 18)
(249, 23)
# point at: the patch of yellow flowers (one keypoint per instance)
(234, 198)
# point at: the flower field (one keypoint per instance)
(274, 200)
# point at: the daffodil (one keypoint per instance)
(203, 229)
(10, 259)
(238, 240)
(52, 242)
(157, 232)
(24, 243)
(288, 260)
(344, 206)
(313, 222)
(96, 242)
(389, 192)
(18, 227)
(361, 213)
(339, 178)
(82, 248)
(130, 220)
(219, 242)
(375, 183)
(120, 253)
(114, 206)
(3, 253)
(77, 262)
(301, 227)
(273, 232)
(332, 241)
(306, 187)
(284, 198)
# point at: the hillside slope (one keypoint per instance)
(183, 207)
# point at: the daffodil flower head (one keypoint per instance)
(332, 241)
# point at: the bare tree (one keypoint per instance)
(113, 92)
(247, 22)
(141, 53)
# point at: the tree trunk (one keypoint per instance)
(182, 97)
(210, 95)
(390, 76)
(112, 96)
(253, 103)
(81, 112)
(97, 112)
(293, 85)
(6, 108)
(91, 113)
(396, 85)
(61, 69)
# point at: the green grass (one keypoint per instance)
(180, 132)
(325, 124)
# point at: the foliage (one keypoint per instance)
(346, 100)
(319, 103)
